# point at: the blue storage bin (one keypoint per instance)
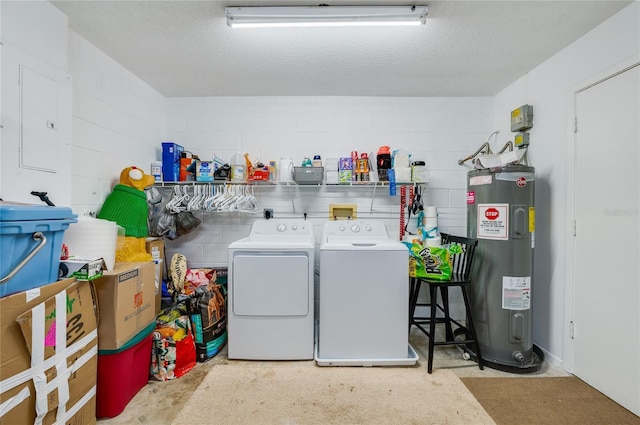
(30, 230)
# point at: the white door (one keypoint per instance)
(606, 344)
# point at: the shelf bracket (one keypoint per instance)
(293, 203)
(373, 197)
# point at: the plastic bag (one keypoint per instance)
(173, 352)
(185, 223)
(161, 221)
(430, 262)
(207, 309)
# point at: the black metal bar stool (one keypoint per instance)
(460, 277)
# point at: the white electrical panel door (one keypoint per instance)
(270, 285)
(38, 121)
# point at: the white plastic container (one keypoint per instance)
(285, 170)
(403, 174)
(156, 170)
(419, 172)
(238, 168)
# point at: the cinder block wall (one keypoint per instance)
(439, 131)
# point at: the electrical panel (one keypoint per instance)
(522, 118)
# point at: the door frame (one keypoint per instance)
(567, 352)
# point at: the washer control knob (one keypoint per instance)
(341, 228)
(294, 227)
(368, 228)
(355, 228)
(281, 227)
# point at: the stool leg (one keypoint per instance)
(414, 290)
(470, 325)
(444, 293)
(432, 324)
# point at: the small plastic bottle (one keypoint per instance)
(272, 170)
(306, 162)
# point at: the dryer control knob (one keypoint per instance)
(355, 228)
(368, 228)
(294, 227)
(341, 228)
(281, 227)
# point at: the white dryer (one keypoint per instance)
(270, 292)
(364, 297)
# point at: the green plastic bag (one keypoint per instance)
(430, 262)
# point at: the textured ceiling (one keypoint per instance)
(467, 48)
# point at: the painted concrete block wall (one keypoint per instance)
(38, 28)
(34, 45)
(549, 88)
(437, 130)
(118, 121)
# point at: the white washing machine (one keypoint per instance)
(364, 297)
(270, 292)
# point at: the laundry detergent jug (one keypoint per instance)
(285, 171)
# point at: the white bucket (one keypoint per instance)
(93, 238)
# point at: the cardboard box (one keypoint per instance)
(27, 319)
(83, 268)
(204, 170)
(157, 285)
(171, 153)
(126, 301)
(155, 247)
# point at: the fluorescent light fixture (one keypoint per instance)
(325, 16)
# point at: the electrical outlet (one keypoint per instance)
(267, 213)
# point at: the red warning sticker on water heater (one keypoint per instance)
(471, 197)
(521, 181)
(493, 221)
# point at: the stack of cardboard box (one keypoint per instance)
(42, 373)
(48, 365)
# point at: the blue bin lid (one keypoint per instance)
(23, 212)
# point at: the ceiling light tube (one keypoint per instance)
(327, 16)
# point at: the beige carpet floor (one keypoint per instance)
(547, 401)
(241, 393)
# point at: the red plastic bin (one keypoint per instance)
(122, 374)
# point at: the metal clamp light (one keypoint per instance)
(325, 16)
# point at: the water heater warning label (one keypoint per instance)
(493, 221)
(516, 293)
